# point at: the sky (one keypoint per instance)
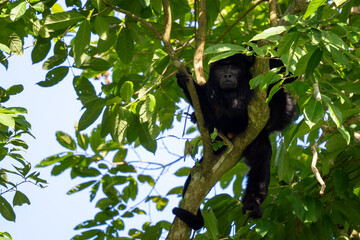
(53, 214)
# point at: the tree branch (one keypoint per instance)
(200, 44)
(326, 131)
(273, 14)
(133, 16)
(165, 38)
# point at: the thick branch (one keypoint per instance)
(206, 175)
(167, 15)
(273, 14)
(200, 44)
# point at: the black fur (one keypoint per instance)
(224, 101)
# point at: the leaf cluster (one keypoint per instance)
(123, 75)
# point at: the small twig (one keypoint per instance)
(14, 188)
(315, 170)
(133, 16)
(351, 120)
(238, 20)
(12, 54)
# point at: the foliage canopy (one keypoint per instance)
(133, 48)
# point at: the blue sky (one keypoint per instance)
(53, 214)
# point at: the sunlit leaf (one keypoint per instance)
(16, 44)
(80, 187)
(101, 27)
(126, 91)
(81, 42)
(313, 6)
(224, 47)
(18, 11)
(313, 112)
(65, 140)
(270, 32)
(62, 20)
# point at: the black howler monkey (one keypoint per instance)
(224, 101)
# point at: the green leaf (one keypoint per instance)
(16, 44)
(83, 87)
(53, 159)
(40, 7)
(147, 108)
(81, 42)
(125, 46)
(211, 223)
(313, 6)
(126, 91)
(120, 155)
(118, 224)
(345, 134)
(146, 137)
(222, 56)
(130, 191)
(270, 32)
(40, 50)
(82, 140)
(335, 114)
(54, 76)
(184, 171)
(161, 203)
(20, 199)
(288, 42)
(146, 178)
(101, 27)
(298, 207)
(4, 61)
(91, 113)
(285, 171)
(96, 64)
(152, 232)
(313, 112)
(341, 181)
(65, 140)
(175, 191)
(7, 120)
(256, 81)
(16, 89)
(5, 49)
(53, 61)
(98, 4)
(80, 187)
(224, 47)
(6, 210)
(18, 11)
(314, 61)
(334, 40)
(62, 20)
(120, 124)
